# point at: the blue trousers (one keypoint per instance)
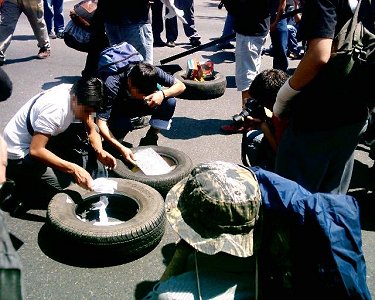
(54, 15)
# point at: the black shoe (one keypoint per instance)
(159, 43)
(60, 35)
(140, 122)
(149, 140)
(195, 42)
(171, 44)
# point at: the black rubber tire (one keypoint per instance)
(135, 236)
(202, 90)
(162, 183)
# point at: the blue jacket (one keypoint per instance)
(338, 238)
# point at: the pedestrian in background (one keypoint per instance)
(128, 21)
(10, 12)
(54, 17)
(187, 6)
(317, 148)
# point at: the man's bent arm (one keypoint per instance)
(39, 151)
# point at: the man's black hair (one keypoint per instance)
(266, 84)
(143, 76)
(89, 91)
(6, 86)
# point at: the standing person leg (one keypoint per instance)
(138, 35)
(58, 18)
(9, 13)
(227, 30)
(48, 17)
(171, 30)
(248, 59)
(157, 22)
(35, 15)
(279, 40)
(319, 161)
(190, 31)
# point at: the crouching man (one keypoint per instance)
(136, 92)
(52, 141)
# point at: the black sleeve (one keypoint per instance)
(164, 78)
(111, 90)
(319, 19)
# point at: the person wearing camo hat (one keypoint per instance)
(216, 213)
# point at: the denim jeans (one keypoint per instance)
(120, 120)
(138, 35)
(53, 15)
(171, 27)
(11, 11)
(279, 40)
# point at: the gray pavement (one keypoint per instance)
(50, 272)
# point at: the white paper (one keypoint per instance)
(104, 185)
(151, 163)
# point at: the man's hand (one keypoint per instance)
(128, 155)
(3, 159)
(155, 99)
(82, 177)
(106, 159)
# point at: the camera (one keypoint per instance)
(253, 109)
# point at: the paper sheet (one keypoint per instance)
(151, 163)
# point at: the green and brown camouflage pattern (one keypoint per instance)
(215, 208)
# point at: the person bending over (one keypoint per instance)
(43, 150)
(136, 92)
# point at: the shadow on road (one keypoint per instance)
(23, 37)
(59, 80)
(144, 287)
(66, 251)
(19, 60)
(185, 128)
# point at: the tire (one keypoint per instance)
(202, 90)
(141, 229)
(162, 183)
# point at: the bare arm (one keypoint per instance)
(157, 97)
(96, 142)
(39, 151)
(108, 136)
(317, 55)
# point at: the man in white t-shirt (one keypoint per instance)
(41, 138)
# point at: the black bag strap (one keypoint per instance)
(30, 128)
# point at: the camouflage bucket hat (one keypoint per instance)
(216, 208)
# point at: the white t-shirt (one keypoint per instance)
(51, 114)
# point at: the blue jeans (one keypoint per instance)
(279, 40)
(292, 39)
(320, 161)
(171, 27)
(119, 123)
(138, 35)
(53, 15)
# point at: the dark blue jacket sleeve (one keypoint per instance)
(338, 220)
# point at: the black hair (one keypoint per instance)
(89, 91)
(266, 84)
(143, 76)
(6, 86)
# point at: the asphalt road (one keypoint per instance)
(49, 269)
